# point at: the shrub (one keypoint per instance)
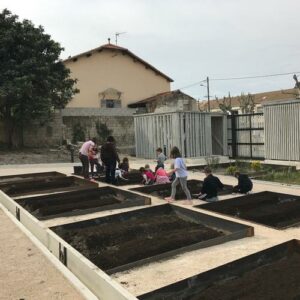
(231, 170)
(103, 131)
(78, 133)
(255, 165)
(212, 162)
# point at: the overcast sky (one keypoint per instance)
(186, 39)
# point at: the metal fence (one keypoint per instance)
(190, 131)
(246, 136)
(282, 122)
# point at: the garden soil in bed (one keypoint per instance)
(48, 185)
(269, 274)
(164, 190)
(29, 176)
(81, 202)
(133, 177)
(116, 241)
(268, 208)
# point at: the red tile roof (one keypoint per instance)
(123, 50)
(259, 98)
(158, 96)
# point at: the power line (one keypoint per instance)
(192, 84)
(252, 77)
(239, 78)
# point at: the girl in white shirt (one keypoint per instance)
(181, 176)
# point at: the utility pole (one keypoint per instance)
(207, 85)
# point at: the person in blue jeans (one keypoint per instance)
(110, 157)
(181, 173)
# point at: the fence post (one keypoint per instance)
(250, 132)
(233, 136)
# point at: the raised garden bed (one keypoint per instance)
(164, 190)
(45, 186)
(81, 202)
(77, 170)
(268, 208)
(30, 176)
(287, 177)
(269, 274)
(126, 240)
(134, 177)
(269, 172)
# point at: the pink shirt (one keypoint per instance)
(161, 172)
(84, 150)
(149, 175)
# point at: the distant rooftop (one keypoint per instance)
(165, 95)
(259, 98)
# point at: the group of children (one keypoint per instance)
(104, 159)
(160, 175)
(177, 175)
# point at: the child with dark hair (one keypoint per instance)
(148, 177)
(160, 159)
(245, 184)
(211, 186)
(122, 170)
(181, 173)
(124, 165)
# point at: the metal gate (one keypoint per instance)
(246, 136)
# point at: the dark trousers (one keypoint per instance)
(159, 166)
(85, 165)
(242, 190)
(110, 170)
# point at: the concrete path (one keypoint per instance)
(25, 273)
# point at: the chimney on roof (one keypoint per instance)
(108, 40)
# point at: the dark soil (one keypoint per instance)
(44, 185)
(269, 274)
(30, 176)
(268, 208)
(113, 244)
(94, 199)
(164, 190)
(132, 178)
(278, 280)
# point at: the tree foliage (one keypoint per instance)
(33, 80)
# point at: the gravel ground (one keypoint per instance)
(34, 156)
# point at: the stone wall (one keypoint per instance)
(121, 127)
(39, 134)
(118, 122)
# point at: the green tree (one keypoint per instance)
(33, 80)
(103, 131)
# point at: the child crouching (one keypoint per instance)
(148, 177)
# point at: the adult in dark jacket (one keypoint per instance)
(110, 157)
(211, 186)
(245, 184)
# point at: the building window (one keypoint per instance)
(109, 103)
